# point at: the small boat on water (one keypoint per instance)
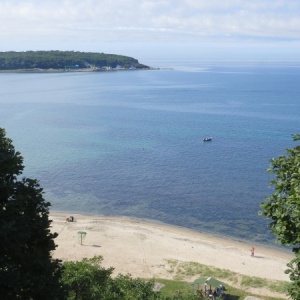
(207, 139)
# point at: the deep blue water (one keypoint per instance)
(130, 142)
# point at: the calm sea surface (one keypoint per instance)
(130, 142)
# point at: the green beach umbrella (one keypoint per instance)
(200, 280)
(214, 282)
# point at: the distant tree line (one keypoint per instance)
(12, 60)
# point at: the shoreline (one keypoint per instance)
(45, 71)
(272, 246)
(143, 248)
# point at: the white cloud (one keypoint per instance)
(148, 20)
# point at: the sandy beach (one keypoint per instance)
(143, 248)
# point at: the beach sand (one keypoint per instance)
(142, 248)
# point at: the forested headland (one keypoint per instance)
(65, 61)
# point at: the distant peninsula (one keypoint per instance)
(66, 61)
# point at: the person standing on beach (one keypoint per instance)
(252, 251)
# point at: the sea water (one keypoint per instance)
(131, 142)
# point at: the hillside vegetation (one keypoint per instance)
(64, 60)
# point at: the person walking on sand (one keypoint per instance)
(252, 251)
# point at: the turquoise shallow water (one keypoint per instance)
(130, 143)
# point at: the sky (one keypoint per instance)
(156, 29)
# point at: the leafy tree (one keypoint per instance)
(27, 270)
(86, 279)
(283, 208)
(124, 287)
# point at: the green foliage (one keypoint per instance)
(86, 279)
(63, 60)
(26, 268)
(294, 273)
(176, 289)
(127, 288)
(185, 296)
(283, 208)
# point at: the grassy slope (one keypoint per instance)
(238, 286)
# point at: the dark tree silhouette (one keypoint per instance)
(27, 270)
